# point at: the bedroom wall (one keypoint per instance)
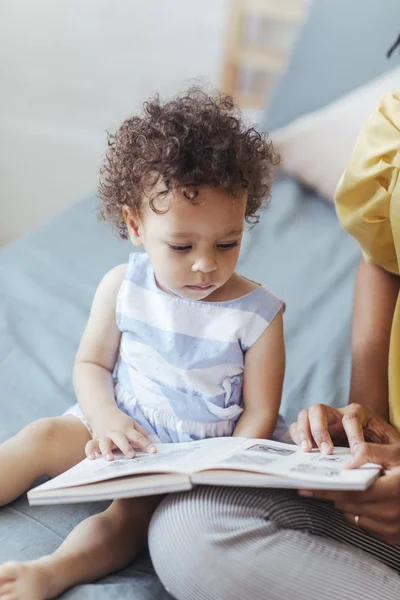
(71, 69)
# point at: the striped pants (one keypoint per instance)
(235, 543)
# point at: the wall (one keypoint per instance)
(69, 70)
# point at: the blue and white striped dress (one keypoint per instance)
(180, 366)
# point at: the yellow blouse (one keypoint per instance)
(368, 206)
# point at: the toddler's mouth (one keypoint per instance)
(202, 287)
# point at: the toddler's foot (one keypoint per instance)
(24, 581)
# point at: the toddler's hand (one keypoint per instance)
(115, 429)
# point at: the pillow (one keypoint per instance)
(315, 148)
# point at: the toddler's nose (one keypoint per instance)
(204, 265)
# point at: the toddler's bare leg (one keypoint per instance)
(98, 546)
(45, 447)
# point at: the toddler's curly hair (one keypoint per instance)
(195, 139)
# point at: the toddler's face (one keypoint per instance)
(193, 246)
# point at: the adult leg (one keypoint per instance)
(235, 543)
(44, 447)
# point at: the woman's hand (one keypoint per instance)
(377, 510)
(323, 426)
(115, 429)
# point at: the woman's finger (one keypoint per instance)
(376, 429)
(383, 531)
(353, 426)
(385, 512)
(385, 488)
(122, 443)
(300, 431)
(106, 445)
(140, 440)
(387, 455)
(318, 417)
(330, 495)
(305, 440)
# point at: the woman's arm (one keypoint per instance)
(375, 299)
(264, 370)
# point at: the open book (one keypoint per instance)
(219, 461)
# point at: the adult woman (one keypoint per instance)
(218, 543)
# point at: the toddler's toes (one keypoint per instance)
(22, 581)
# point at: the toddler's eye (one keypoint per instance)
(180, 248)
(227, 246)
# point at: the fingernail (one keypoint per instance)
(152, 449)
(92, 456)
(347, 464)
(354, 447)
(109, 456)
(325, 448)
(304, 445)
(305, 493)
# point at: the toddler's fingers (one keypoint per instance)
(92, 448)
(121, 441)
(140, 429)
(106, 445)
(140, 439)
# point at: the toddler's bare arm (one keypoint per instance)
(93, 370)
(264, 370)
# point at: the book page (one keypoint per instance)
(185, 458)
(287, 461)
(316, 467)
(255, 456)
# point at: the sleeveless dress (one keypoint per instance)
(368, 206)
(179, 371)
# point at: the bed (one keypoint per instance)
(298, 250)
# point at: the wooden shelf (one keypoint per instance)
(260, 59)
(252, 68)
(251, 101)
(275, 9)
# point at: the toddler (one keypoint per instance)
(178, 346)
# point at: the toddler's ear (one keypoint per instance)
(133, 225)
